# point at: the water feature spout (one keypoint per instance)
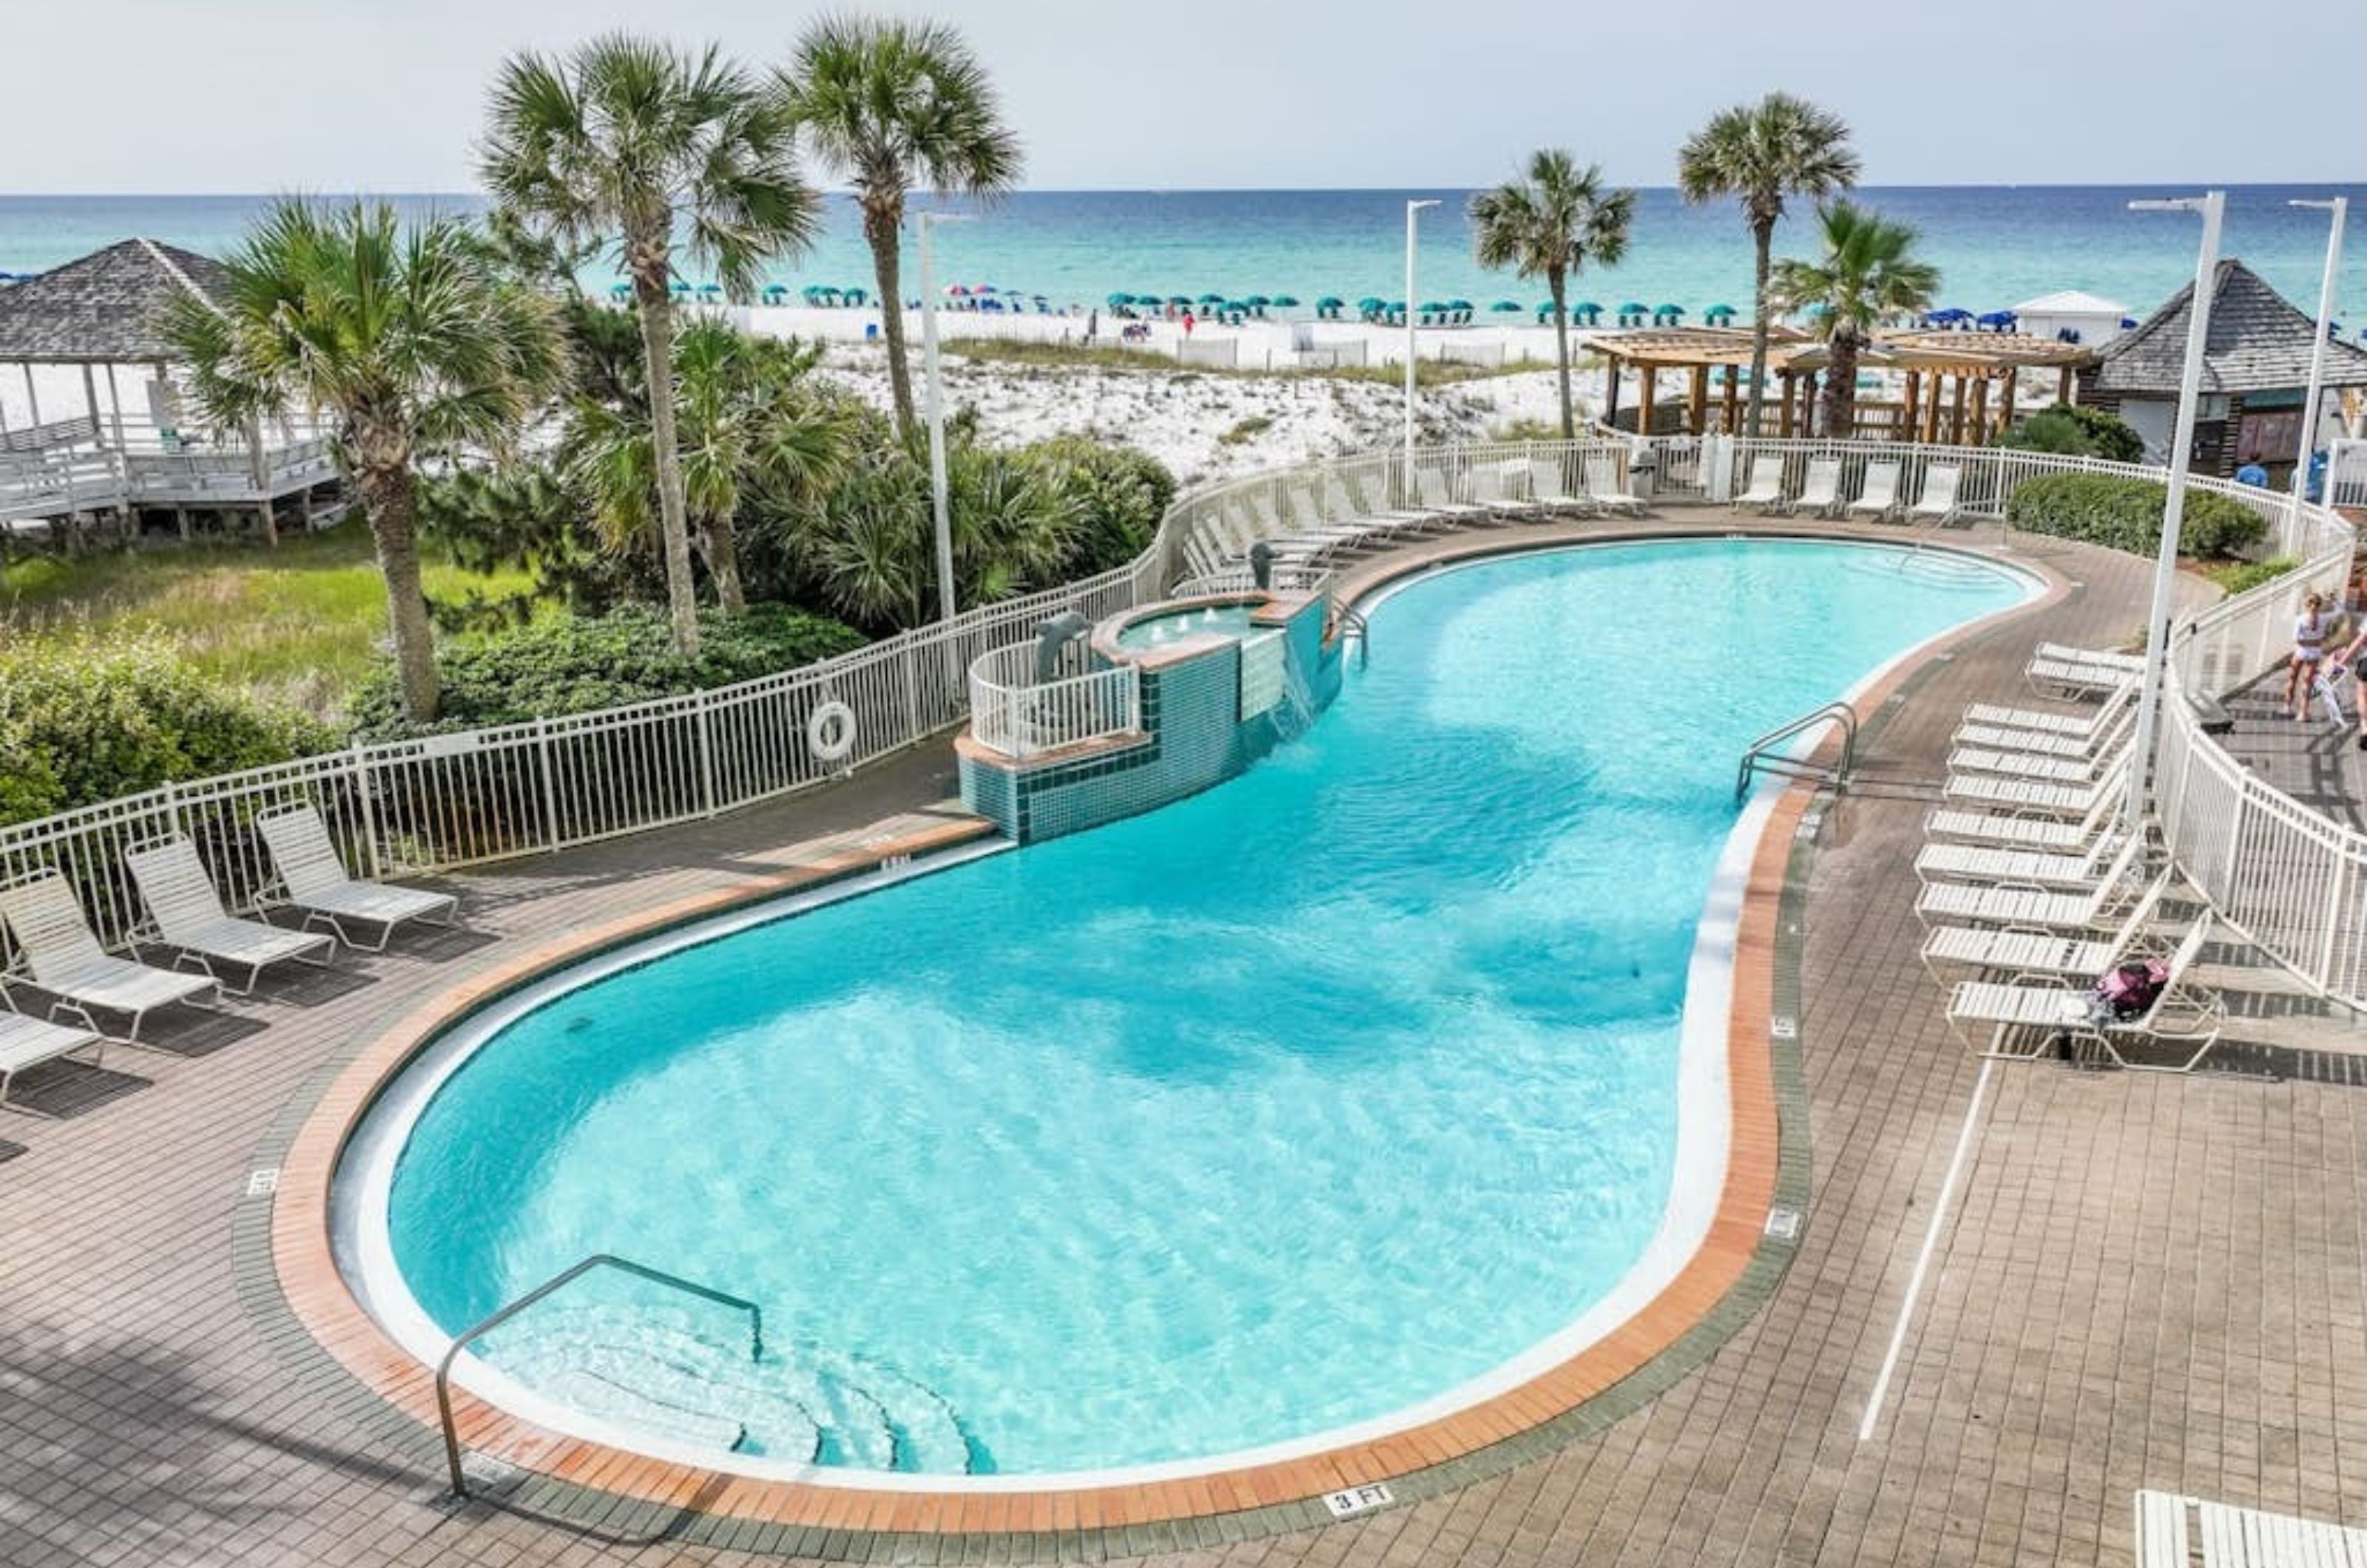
(1052, 640)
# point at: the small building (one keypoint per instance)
(2071, 316)
(107, 433)
(2255, 374)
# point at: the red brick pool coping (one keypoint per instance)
(316, 1291)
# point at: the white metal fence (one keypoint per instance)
(2282, 873)
(1014, 713)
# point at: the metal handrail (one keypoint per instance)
(548, 1287)
(1839, 713)
(1353, 624)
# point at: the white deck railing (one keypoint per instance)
(2285, 875)
(1014, 713)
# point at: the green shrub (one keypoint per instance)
(82, 722)
(1121, 495)
(2124, 513)
(577, 664)
(2076, 431)
(2241, 577)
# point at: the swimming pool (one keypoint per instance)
(1311, 1102)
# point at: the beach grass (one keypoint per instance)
(1427, 372)
(296, 626)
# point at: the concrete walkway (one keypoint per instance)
(2140, 1282)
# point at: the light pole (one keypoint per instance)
(1413, 211)
(2212, 204)
(2340, 207)
(944, 524)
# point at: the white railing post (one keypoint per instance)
(546, 763)
(699, 710)
(365, 797)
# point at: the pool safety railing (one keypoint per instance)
(543, 1292)
(1011, 713)
(1771, 754)
(2280, 873)
(1354, 627)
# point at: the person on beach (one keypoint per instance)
(1187, 323)
(2309, 653)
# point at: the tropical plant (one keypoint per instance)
(892, 105)
(414, 339)
(2121, 512)
(744, 417)
(1548, 224)
(1868, 274)
(2077, 431)
(619, 143)
(1763, 154)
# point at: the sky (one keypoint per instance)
(237, 96)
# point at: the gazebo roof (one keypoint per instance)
(2259, 342)
(107, 308)
(1954, 353)
(1685, 347)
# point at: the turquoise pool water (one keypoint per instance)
(1277, 1110)
(1226, 620)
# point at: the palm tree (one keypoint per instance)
(623, 140)
(743, 420)
(1868, 276)
(1550, 225)
(1763, 152)
(892, 105)
(420, 346)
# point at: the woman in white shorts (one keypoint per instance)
(2309, 653)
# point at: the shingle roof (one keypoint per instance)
(109, 306)
(2258, 342)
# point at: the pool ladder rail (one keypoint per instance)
(1350, 623)
(1765, 755)
(549, 1288)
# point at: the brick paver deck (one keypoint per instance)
(2144, 1281)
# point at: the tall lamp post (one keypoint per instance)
(2212, 204)
(2340, 207)
(1413, 212)
(928, 220)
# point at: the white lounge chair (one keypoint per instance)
(1436, 491)
(2110, 659)
(1820, 488)
(312, 878)
(1549, 486)
(2086, 726)
(62, 957)
(2017, 950)
(29, 1041)
(2028, 907)
(186, 914)
(2040, 1012)
(1763, 487)
(1948, 862)
(2061, 678)
(2038, 796)
(1937, 503)
(1879, 497)
(1604, 488)
(2028, 830)
(2038, 742)
(2028, 764)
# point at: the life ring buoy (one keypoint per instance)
(830, 732)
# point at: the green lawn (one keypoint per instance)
(296, 625)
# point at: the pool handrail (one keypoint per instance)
(549, 1288)
(1763, 752)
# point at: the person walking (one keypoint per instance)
(2309, 653)
(2353, 658)
(1187, 323)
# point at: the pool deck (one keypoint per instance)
(2142, 1281)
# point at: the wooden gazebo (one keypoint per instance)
(1948, 375)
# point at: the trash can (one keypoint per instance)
(1643, 472)
(870, 331)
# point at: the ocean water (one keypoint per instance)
(1282, 1108)
(1995, 245)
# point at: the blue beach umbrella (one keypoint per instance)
(1117, 300)
(774, 293)
(1181, 299)
(1284, 302)
(1513, 307)
(680, 287)
(1208, 299)
(2000, 320)
(1255, 300)
(621, 291)
(1372, 303)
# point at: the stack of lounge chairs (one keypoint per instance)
(1323, 519)
(54, 950)
(2033, 887)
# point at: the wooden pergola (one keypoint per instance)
(1948, 375)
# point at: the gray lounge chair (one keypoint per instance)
(62, 957)
(312, 878)
(185, 913)
(28, 1042)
